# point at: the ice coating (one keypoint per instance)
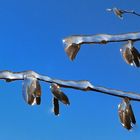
(31, 90)
(79, 85)
(126, 114)
(73, 43)
(58, 94)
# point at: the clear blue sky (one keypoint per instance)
(31, 33)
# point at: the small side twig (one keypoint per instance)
(119, 12)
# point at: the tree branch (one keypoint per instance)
(79, 85)
(130, 12)
(73, 43)
(119, 12)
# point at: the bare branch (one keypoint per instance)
(74, 42)
(119, 12)
(79, 85)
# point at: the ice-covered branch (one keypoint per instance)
(79, 85)
(73, 43)
(119, 12)
(32, 92)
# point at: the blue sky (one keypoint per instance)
(31, 33)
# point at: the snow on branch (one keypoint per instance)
(73, 44)
(119, 12)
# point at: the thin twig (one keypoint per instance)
(130, 12)
(119, 12)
